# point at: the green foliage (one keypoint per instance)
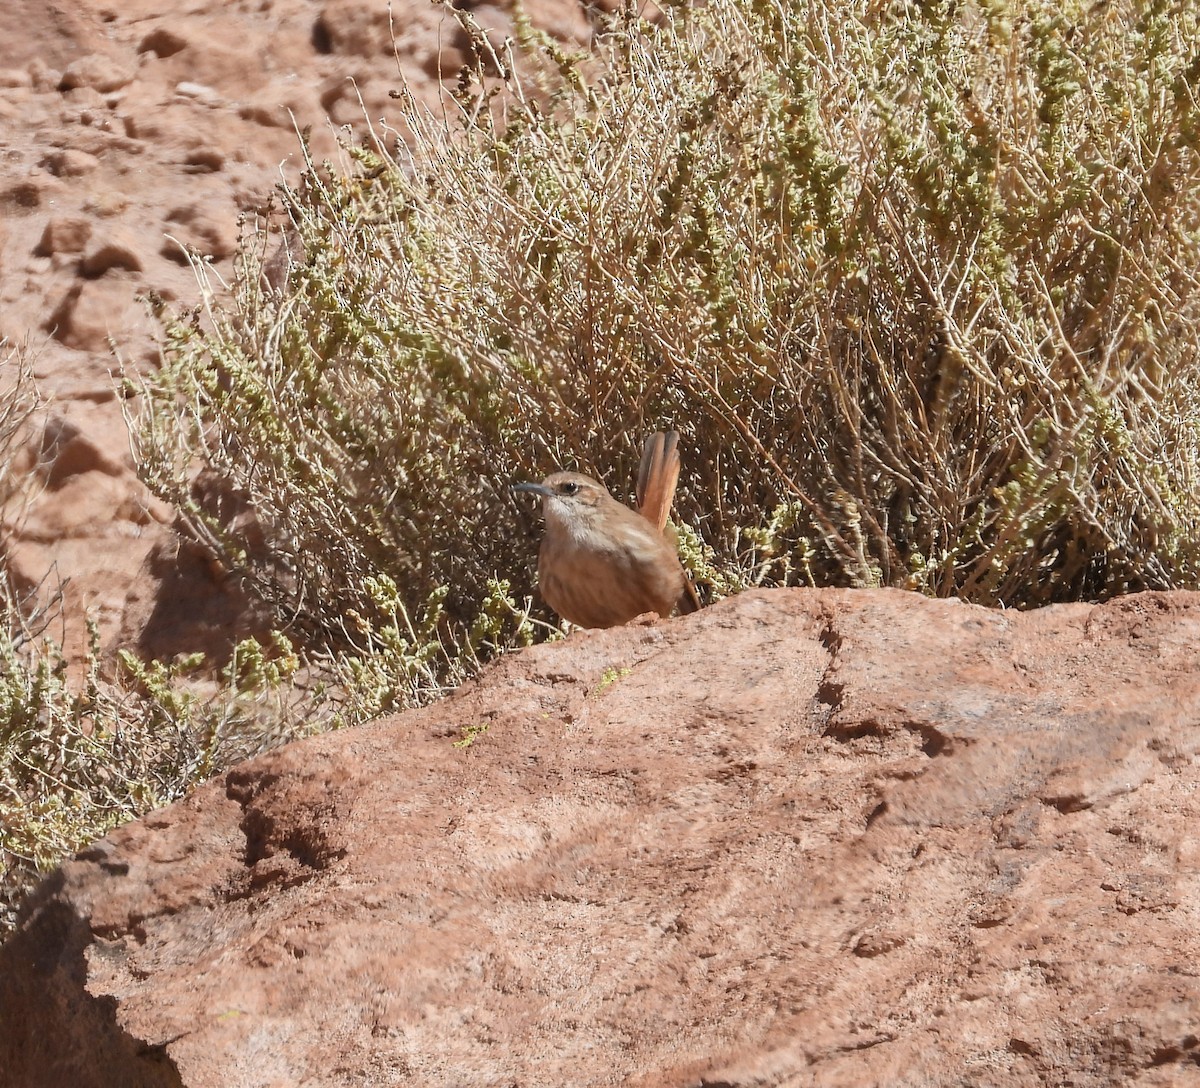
(393, 663)
(917, 282)
(81, 753)
(470, 734)
(85, 746)
(609, 677)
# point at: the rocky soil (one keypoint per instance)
(135, 135)
(800, 838)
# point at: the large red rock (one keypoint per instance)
(801, 838)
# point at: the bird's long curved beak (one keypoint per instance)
(535, 489)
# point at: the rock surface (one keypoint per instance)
(801, 838)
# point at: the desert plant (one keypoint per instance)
(18, 401)
(917, 282)
(81, 752)
(88, 744)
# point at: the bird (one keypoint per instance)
(600, 563)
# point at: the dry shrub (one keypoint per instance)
(85, 746)
(77, 758)
(918, 283)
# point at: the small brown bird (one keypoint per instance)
(601, 563)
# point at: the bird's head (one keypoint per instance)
(569, 499)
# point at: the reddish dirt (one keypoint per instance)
(128, 131)
(802, 837)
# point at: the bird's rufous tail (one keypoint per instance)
(657, 479)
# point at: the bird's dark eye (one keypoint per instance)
(569, 488)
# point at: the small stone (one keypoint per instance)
(42, 76)
(66, 451)
(63, 234)
(208, 230)
(15, 77)
(91, 312)
(162, 42)
(204, 160)
(877, 943)
(199, 92)
(69, 163)
(24, 196)
(98, 71)
(118, 249)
